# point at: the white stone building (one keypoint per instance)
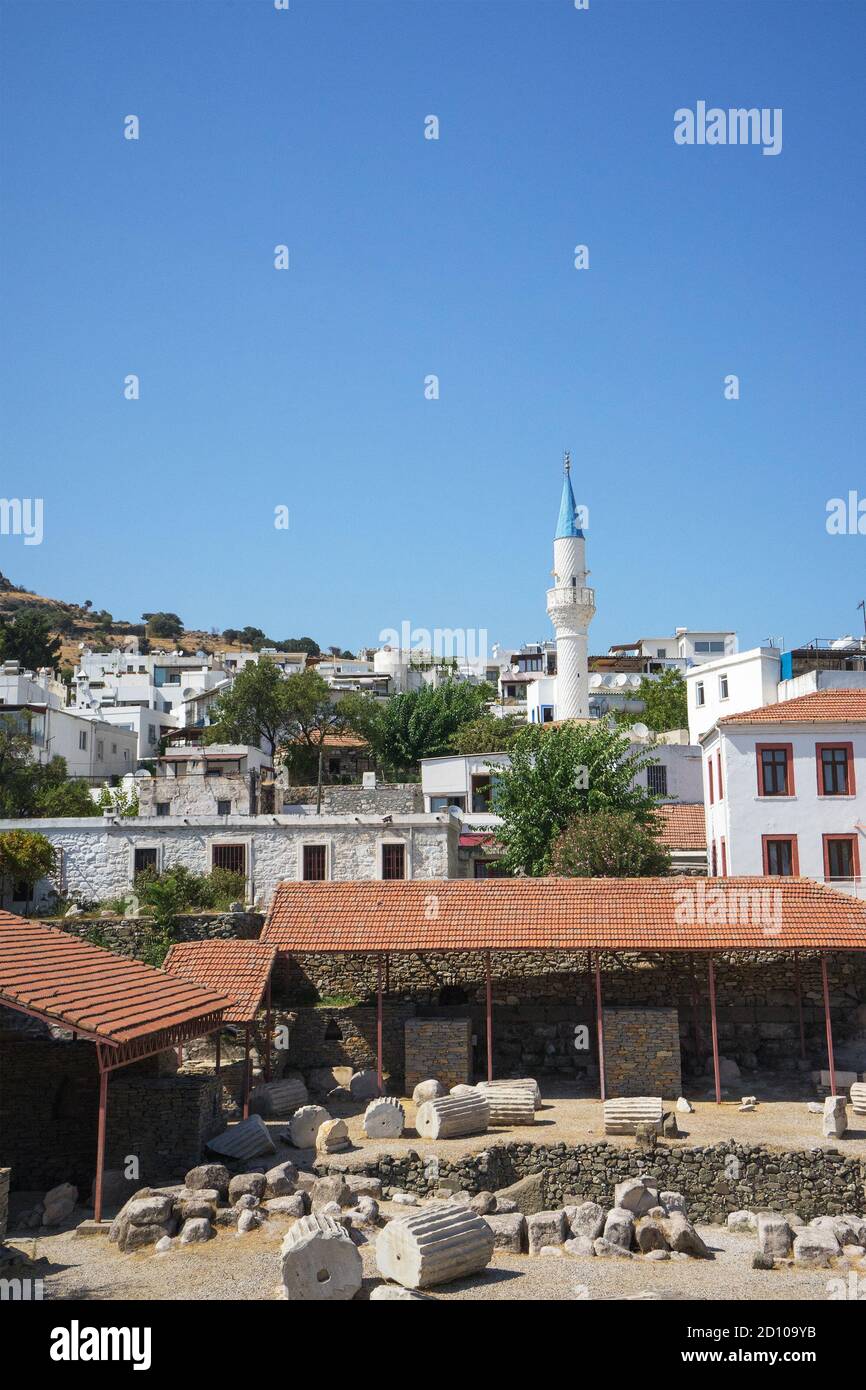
(215, 779)
(785, 789)
(100, 856)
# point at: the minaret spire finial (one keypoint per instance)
(567, 462)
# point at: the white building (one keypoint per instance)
(98, 857)
(785, 789)
(215, 779)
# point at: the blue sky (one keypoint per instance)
(411, 257)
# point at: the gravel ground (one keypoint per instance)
(778, 1122)
(245, 1267)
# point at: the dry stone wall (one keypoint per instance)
(642, 1052)
(440, 1048)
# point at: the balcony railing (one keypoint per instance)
(565, 595)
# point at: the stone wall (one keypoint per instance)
(440, 1048)
(539, 997)
(5, 1174)
(126, 936)
(714, 1180)
(344, 1035)
(386, 798)
(49, 1096)
(642, 1052)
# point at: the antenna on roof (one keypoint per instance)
(862, 604)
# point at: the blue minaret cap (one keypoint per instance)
(567, 523)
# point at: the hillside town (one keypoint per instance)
(351, 899)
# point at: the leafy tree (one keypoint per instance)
(279, 712)
(416, 724)
(163, 624)
(27, 638)
(26, 857)
(30, 788)
(487, 734)
(665, 704)
(300, 644)
(609, 844)
(557, 772)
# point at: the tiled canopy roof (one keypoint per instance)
(821, 707)
(66, 981)
(238, 968)
(656, 914)
(683, 826)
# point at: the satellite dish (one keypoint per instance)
(640, 729)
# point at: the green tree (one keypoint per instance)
(300, 644)
(557, 772)
(25, 857)
(664, 700)
(163, 624)
(280, 712)
(609, 844)
(30, 788)
(416, 724)
(487, 734)
(27, 638)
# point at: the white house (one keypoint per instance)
(785, 789)
(730, 684)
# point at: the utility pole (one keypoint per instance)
(862, 604)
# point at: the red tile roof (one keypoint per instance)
(238, 968)
(58, 977)
(683, 826)
(664, 914)
(821, 707)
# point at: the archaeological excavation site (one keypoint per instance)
(539, 1090)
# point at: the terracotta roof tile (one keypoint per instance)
(835, 706)
(683, 825)
(664, 914)
(237, 968)
(57, 976)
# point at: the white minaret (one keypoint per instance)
(570, 607)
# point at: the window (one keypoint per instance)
(393, 861)
(487, 868)
(114, 747)
(841, 857)
(710, 775)
(224, 808)
(163, 808)
(714, 864)
(835, 769)
(780, 856)
(662, 653)
(212, 770)
(719, 770)
(82, 739)
(481, 793)
(657, 780)
(699, 693)
(775, 769)
(100, 749)
(723, 687)
(316, 861)
(724, 847)
(547, 714)
(151, 733)
(231, 857)
(441, 803)
(143, 859)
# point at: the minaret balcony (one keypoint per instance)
(571, 602)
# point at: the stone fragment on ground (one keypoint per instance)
(305, 1125)
(195, 1230)
(281, 1180)
(434, 1247)
(585, 1220)
(546, 1228)
(619, 1227)
(815, 1245)
(835, 1118)
(364, 1085)
(774, 1235)
(636, 1195)
(319, 1262)
(509, 1231)
(429, 1090)
(394, 1293)
(332, 1137)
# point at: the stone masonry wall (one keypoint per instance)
(48, 1115)
(345, 1036)
(386, 798)
(642, 1052)
(125, 936)
(440, 1048)
(715, 1180)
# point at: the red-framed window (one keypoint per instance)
(775, 769)
(719, 767)
(714, 870)
(710, 771)
(835, 763)
(841, 857)
(780, 855)
(724, 858)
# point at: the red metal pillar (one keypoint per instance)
(218, 1057)
(246, 1083)
(599, 1027)
(488, 992)
(100, 1137)
(715, 1029)
(696, 1026)
(379, 1068)
(268, 1026)
(800, 1005)
(831, 1060)
(387, 973)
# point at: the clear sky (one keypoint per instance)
(411, 257)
